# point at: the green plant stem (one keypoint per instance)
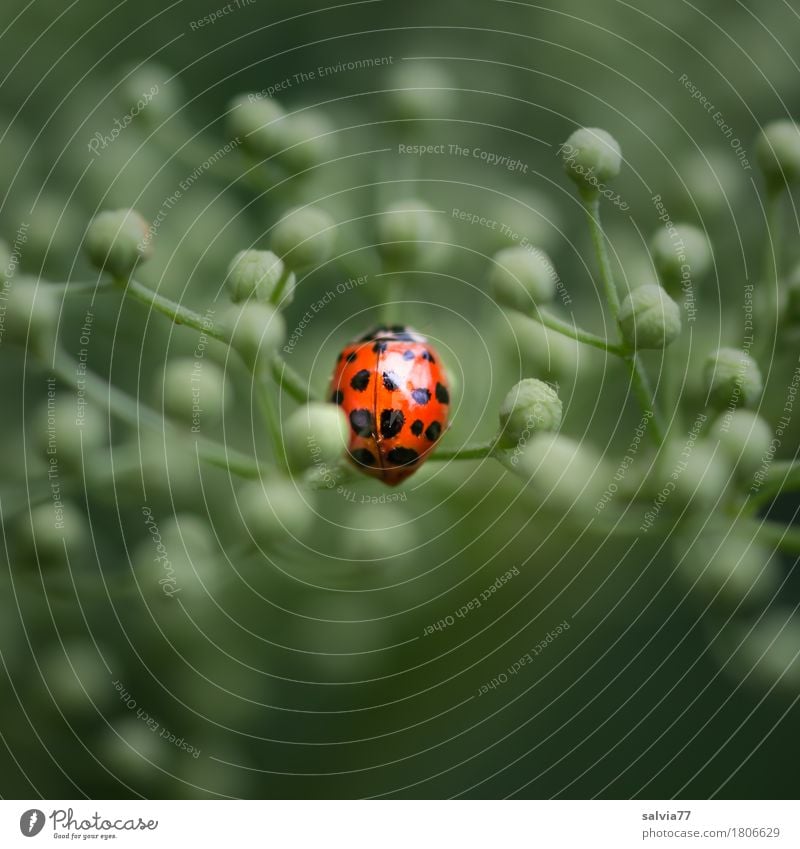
(639, 379)
(476, 451)
(591, 203)
(786, 539)
(644, 395)
(135, 414)
(284, 375)
(767, 309)
(174, 311)
(269, 411)
(573, 332)
(289, 380)
(280, 287)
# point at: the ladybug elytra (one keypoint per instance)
(391, 385)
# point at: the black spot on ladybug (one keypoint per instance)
(416, 427)
(434, 431)
(402, 456)
(390, 381)
(408, 354)
(352, 356)
(380, 347)
(337, 397)
(442, 395)
(363, 457)
(421, 396)
(360, 380)
(362, 422)
(392, 422)
(398, 328)
(427, 355)
(339, 358)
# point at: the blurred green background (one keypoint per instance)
(303, 669)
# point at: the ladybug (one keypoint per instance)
(391, 385)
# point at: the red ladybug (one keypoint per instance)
(391, 385)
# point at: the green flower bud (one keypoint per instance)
(521, 278)
(273, 510)
(563, 475)
(178, 559)
(420, 90)
(76, 674)
(255, 330)
(130, 749)
(745, 438)
(733, 378)
(315, 435)
(73, 434)
(692, 472)
(778, 152)
(146, 94)
(43, 533)
(256, 275)
(726, 563)
(407, 231)
(308, 140)
(591, 157)
(649, 318)
(194, 391)
(258, 122)
(379, 532)
(117, 241)
(52, 234)
(530, 407)
(680, 256)
(304, 237)
(31, 315)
